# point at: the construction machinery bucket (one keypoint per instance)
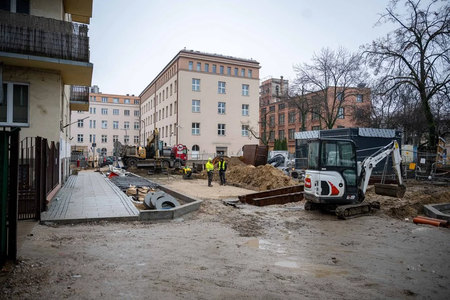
(390, 190)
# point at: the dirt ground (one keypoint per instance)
(248, 252)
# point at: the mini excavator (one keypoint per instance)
(337, 181)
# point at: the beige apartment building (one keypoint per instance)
(204, 101)
(110, 118)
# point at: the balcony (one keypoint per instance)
(79, 98)
(43, 43)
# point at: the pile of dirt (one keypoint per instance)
(411, 205)
(260, 178)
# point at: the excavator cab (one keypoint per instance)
(331, 177)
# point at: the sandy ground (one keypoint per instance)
(223, 252)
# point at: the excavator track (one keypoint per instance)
(353, 210)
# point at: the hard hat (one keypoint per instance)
(209, 158)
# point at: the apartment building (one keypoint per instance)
(282, 116)
(110, 118)
(44, 74)
(205, 101)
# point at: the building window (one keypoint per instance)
(126, 112)
(291, 133)
(199, 66)
(95, 98)
(115, 124)
(340, 126)
(92, 110)
(291, 117)
(115, 138)
(115, 100)
(359, 98)
(136, 101)
(272, 121)
(281, 106)
(221, 129)
(272, 108)
(280, 119)
(104, 138)
(176, 86)
(341, 113)
(249, 73)
(127, 101)
(214, 69)
(315, 128)
(170, 108)
(136, 139)
(242, 72)
(104, 111)
(195, 128)
(92, 138)
(115, 112)
(196, 84)
(228, 71)
(315, 114)
(221, 107)
(126, 125)
(245, 109)
(206, 67)
(221, 69)
(136, 113)
(236, 70)
(245, 88)
(104, 99)
(126, 139)
(136, 125)
(244, 130)
(281, 134)
(170, 89)
(340, 96)
(80, 138)
(80, 123)
(104, 124)
(191, 64)
(271, 136)
(14, 108)
(221, 87)
(195, 105)
(91, 123)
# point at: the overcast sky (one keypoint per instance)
(131, 41)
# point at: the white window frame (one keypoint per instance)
(104, 124)
(196, 84)
(199, 66)
(341, 113)
(115, 124)
(104, 99)
(244, 130)
(104, 111)
(115, 100)
(126, 101)
(126, 112)
(115, 138)
(10, 105)
(80, 138)
(221, 108)
(195, 128)
(196, 106)
(191, 65)
(245, 109)
(80, 123)
(136, 139)
(104, 138)
(245, 90)
(115, 112)
(126, 125)
(136, 113)
(221, 87)
(136, 125)
(221, 129)
(359, 98)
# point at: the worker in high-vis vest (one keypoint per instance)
(222, 168)
(210, 169)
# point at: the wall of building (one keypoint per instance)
(53, 9)
(95, 114)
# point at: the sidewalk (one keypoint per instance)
(89, 196)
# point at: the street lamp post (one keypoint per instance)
(143, 127)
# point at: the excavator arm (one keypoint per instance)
(371, 162)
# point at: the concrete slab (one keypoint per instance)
(437, 211)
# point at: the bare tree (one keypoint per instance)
(331, 78)
(297, 98)
(416, 54)
(259, 132)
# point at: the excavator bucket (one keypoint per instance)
(390, 190)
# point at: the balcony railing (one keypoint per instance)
(32, 35)
(79, 94)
